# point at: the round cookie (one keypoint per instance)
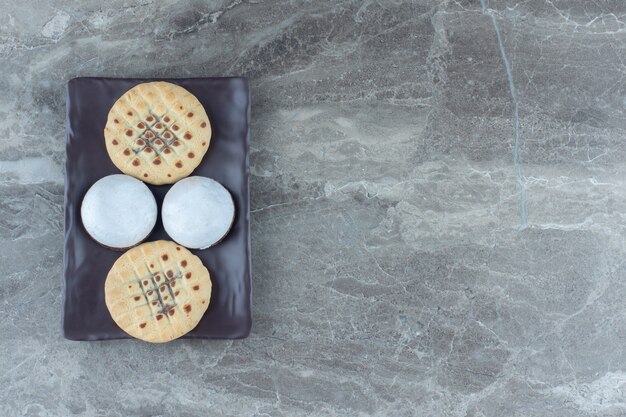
(118, 211)
(157, 291)
(197, 212)
(157, 132)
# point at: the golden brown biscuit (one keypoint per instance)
(157, 291)
(157, 132)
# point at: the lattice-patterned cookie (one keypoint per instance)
(157, 132)
(157, 291)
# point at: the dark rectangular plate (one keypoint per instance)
(87, 263)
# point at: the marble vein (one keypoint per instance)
(516, 145)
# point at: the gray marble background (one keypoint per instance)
(406, 263)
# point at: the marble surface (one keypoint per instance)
(438, 207)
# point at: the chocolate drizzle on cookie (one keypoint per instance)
(165, 300)
(157, 136)
(159, 123)
(141, 297)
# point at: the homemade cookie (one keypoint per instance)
(157, 291)
(118, 211)
(197, 212)
(157, 132)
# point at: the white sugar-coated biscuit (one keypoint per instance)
(157, 132)
(197, 212)
(157, 291)
(118, 211)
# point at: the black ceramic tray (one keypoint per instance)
(86, 263)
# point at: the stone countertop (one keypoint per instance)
(437, 201)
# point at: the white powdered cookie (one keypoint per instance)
(118, 211)
(197, 212)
